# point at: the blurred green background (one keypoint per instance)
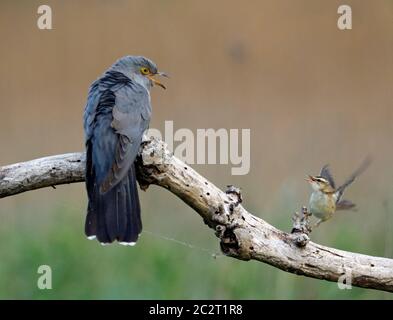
(310, 93)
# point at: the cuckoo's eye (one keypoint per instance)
(145, 71)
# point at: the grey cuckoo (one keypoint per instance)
(116, 115)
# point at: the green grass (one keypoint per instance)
(154, 269)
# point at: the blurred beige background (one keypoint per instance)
(310, 93)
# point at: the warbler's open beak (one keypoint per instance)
(310, 179)
(155, 81)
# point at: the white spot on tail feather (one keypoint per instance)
(128, 243)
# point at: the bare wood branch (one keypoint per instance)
(41, 173)
(242, 235)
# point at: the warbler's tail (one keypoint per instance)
(345, 205)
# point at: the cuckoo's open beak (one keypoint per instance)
(155, 81)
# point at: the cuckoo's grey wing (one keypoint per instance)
(112, 81)
(131, 115)
(325, 173)
(93, 99)
(113, 136)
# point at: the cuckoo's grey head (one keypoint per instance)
(139, 69)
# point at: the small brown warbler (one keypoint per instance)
(326, 199)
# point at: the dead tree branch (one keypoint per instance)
(242, 235)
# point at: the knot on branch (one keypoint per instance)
(235, 194)
(230, 226)
(226, 214)
(153, 159)
(301, 227)
(154, 152)
(233, 242)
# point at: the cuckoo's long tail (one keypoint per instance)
(116, 214)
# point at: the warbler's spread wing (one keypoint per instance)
(325, 173)
(352, 177)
